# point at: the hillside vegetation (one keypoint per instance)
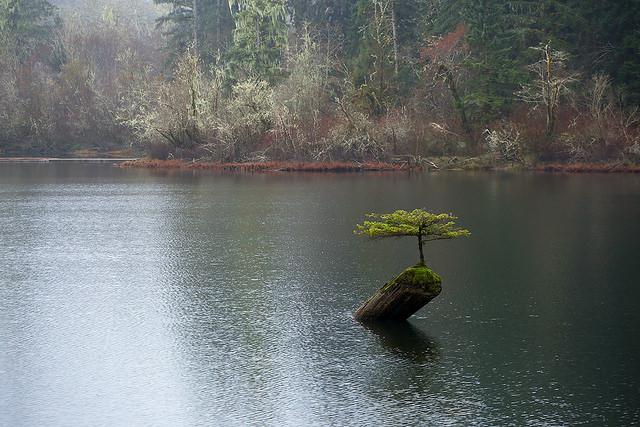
(323, 80)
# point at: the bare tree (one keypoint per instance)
(552, 82)
(195, 12)
(394, 28)
(445, 56)
(598, 105)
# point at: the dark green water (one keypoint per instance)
(139, 298)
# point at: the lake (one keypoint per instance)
(137, 297)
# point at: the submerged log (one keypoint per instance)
(403, 296)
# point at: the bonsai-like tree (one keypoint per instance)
(418, 223)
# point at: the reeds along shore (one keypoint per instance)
(289, 166)
(275, 166)
(588, 168)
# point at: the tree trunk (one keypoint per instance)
(458, 102)
(403, 296)
(195, 26)
(420, 249)
(327, 59)
(394, 29)
(218, 29)
(258, 35)
(550, 98)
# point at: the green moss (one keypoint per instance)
(419, 275)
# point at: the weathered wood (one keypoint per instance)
(403, 296)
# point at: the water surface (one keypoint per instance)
(192, 299)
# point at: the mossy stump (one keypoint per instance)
(403, 296)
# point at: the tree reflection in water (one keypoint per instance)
(406, 340)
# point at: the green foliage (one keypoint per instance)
(259, 39)
(426, 226)
(415, 223)
(419, 276)
(495, 70)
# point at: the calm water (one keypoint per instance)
(140, 298)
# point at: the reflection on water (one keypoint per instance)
(135, 298)
(406, 340)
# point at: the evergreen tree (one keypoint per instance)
(259, 39)
(373, 69)
(206, 25)
(608, 41)
(423, 225)
(26, 23)
(494, 63)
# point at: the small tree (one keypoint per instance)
(418, 223)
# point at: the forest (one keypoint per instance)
(322, 80)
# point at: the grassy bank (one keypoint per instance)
(274, 166)
(448, 164)
(588, 168)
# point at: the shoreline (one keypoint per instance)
(619, 167)
(266, 167)
(24, 159)
(337, 166)
(294, 166)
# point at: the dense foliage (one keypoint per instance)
(64, 72)
(323, 79)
